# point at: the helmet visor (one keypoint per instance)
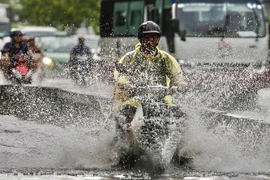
(148, 32)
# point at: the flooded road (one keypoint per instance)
(41, 150)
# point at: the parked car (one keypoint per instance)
(57, 51)
(38, 31)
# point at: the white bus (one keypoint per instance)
(207, 29)
(210, 36)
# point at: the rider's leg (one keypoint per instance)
(123, 117)
(121, 147)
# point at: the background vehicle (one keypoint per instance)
(5, 20)
(21, 73)
(199, 34)
(5, 23)
(153, 131)
(57, 52)
(28, 31)
(80, 69)
(38, 31)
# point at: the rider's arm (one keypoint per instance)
(122, 82)
(176, 76)
(120, 74)
(38, 50)
(5, 57)
(5, 52)
(26, 50)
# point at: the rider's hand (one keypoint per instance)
(5, 58)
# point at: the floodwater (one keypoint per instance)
(36, 151)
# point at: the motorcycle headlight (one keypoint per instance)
(47, 61)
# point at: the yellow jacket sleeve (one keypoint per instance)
(120, 79)
(176, 75)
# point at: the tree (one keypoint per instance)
(61, 13)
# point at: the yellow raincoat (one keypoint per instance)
(142, 68)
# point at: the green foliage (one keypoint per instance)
(61, 13)
(5, 1)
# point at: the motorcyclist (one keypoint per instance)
(79, 50)
(37, 65)
(146, 65)
(15, 46)
(32, 45)
(37, 52)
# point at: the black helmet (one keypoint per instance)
(16, 33)
(148, 27)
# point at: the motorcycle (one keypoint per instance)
(154, 134)
(80, 69)
(20, 71)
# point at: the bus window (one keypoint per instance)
(167, 3)
(154, 12)
(136, 16)
(120, 20)
(123, 17)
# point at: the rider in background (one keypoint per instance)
(146, 65)
(37, 56)
(33, 47)
(15, 46)
(79, 50)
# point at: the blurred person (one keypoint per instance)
(33, 47)
(10, 49)
(37, 52)
(37, 56)
(79, 50)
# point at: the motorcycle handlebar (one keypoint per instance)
(160, 88)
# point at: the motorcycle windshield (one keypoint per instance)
(221, 18)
